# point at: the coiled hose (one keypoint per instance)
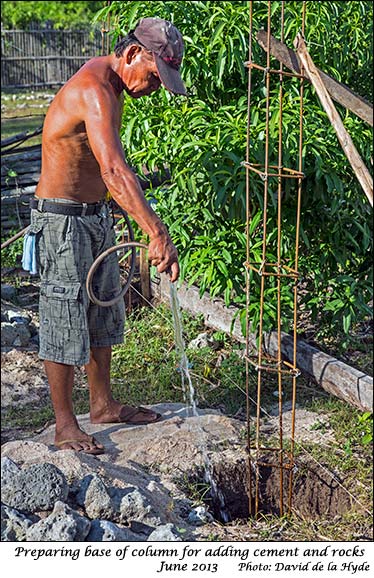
(97, 262)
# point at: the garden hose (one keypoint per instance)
(97, 262)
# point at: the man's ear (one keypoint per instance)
(132, 52)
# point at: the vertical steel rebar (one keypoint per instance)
(248, 220)
(279, 257)
(296, 264)
(262, 288)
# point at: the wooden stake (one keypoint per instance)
(345, 140)
(144, 276)
(338, 91)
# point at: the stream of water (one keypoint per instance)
(189, 396)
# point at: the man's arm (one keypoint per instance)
(101, 122)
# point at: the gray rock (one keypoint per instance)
(9, 470)
(140, 528)
(8, 333)
(134, 506)
(35, 339)
(199, 516)
(104, 531)
(62, 525)
(8, 292)
(165, 533)
(202, 340)
(95, 498)
(14, 525)
(17, 315)
(37, 488)
(16, 334)
(23, 335)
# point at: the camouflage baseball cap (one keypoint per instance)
(165, 41)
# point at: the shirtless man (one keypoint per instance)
(82, 159)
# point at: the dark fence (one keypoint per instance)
(41, 58)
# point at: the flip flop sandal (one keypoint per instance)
(128, 417)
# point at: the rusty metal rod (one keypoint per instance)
(272, 71)
(248, 221)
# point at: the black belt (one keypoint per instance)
(76, 210)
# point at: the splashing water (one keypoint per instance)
(189, 396)
(188, 392)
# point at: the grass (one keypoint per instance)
(12, 126)
(11, 256)
(146, 368)
(22, 111)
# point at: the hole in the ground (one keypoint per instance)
(315, 492)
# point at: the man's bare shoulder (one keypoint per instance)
(86, 95)
(92, 78)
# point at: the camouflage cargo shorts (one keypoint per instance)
(70, 324)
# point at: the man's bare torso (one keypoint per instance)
(69, 167)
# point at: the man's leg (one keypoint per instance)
(103, 407)
(61, 379)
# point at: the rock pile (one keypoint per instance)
(95, 513)
(18, 328)
(133, 492)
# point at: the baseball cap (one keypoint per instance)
(165, 41)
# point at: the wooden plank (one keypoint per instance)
(30, 178)
(338, 91)
(16, 193)
(25, 148)
(345, 140)
(21, 136)
(334, 376)
(145, 285)
(32, 155)
(21, 168)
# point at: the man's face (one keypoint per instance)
(143, 77)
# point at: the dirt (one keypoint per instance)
(316, 491)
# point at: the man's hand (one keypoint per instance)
(163, 255)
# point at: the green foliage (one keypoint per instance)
(365, 422)
(12, 254)
(360, 434)
(62, 14)
(202, 140)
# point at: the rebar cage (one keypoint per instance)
(271, 175)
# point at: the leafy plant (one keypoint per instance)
(202, 142)
(63, 14)
(12, 254)
(365, 424)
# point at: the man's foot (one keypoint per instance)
(118, 413)
(73, 438)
